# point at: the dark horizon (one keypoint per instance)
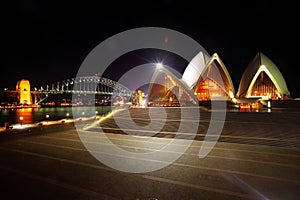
(47, 41)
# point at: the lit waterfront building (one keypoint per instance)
(204, 78)
(207, 78)
(262, 79)
(214, 81)
(194, 69)
(168, 90)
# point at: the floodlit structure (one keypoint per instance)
(214, 81)
(23, 87)
(206, 78)
(194, 69)
(168, 90)
(263, 80)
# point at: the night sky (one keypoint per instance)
(46, 41)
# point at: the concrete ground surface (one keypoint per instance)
(257, 156)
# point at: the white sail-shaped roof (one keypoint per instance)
(194, 69)
(261, 63)
(222, 78)
(165, 85)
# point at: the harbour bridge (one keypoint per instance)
(86, 85)
(93, 86)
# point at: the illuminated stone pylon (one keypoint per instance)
(140, 94)
(23, 87)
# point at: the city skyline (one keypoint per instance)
(47, 42)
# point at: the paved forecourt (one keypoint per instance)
(252, 161)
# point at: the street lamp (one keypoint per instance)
(47, 117)
(21, 120)
(96, 113)
(67, 115)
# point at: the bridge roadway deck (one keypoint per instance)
(256, 157)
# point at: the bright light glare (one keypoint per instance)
(143, 103)
(231, 94)
(269, 104)
(159, 65)
(102, 119)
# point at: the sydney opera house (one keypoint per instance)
(206, 78)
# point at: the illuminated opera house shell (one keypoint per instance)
(206, 78)
(168, 90)
(262, 79)
(214, 81)
(194, 69)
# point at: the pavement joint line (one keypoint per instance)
(197, 134)
(61, 184)
(145, 131)
(89, 192)
(191, 120)
(174, 163)
(240, 173)
(184, 184)
(164, 151)
(82, 190)
(194, 146)
(58, 159)
(159, 119)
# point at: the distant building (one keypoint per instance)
(136, 98)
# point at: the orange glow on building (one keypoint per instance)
(167, 90)
(207, 89)
(207, 79)
(140, 94)
(264, 87)
(214, 81)
(263, 79)
(23, 87)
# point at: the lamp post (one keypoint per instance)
(47, 117)
(21, 120)
(67, 115)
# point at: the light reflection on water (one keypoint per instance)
(34, 115)
(265, 110)
(250, 110)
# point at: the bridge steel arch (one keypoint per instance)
(82, 85)
(86, 84)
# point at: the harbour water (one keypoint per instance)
(35, 115)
